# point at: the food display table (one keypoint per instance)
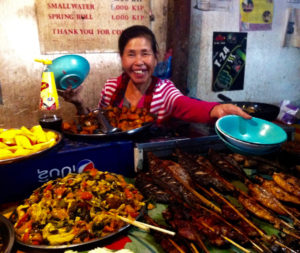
(124, 157)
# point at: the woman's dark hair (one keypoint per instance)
(135, 32)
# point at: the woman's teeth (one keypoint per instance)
(138, 71)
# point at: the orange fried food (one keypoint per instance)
(128, 118)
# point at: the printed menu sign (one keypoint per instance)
(82, 26)
(229, 58)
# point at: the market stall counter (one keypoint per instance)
(118, 157)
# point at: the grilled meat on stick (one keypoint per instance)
(265, 198)
(247, 202)
(172, 245)
(144, 182)
(226, 165)
(279, 192)
(172, 178)
(252, 206)
(178, 181)
(189, 223)
(202, 171)
(288, 183)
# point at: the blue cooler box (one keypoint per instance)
(19, 179)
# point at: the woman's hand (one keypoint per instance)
(73, 96)
(225, 109)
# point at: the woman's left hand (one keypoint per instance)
(225, 109)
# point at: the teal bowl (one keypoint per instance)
(69, 70)
(254, 130)
(247, 150)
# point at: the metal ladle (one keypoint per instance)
(106, 127)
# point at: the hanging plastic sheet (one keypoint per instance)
(213, 5)
(291, 36)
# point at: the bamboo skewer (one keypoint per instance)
(226, 238)
(199, 240)
(248, 221)
(176, 246)
(291, 233)
(198, 195)
(134, 223)
(239, 213)
(235, 228)
(284, 246)
(194, 248)
(144, 226)
(159, 229)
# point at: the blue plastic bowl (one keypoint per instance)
(247, 150)
(255, 130)
(244, 144)
(69, 70)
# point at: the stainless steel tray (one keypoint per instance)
(21, 158)
(78, 246)
(110, 135)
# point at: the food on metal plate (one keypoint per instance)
(123, 118)
(102, 250)
(83, 124)
(76, 209)
(18, 142)
(127, 118)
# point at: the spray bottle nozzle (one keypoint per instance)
(45, 62)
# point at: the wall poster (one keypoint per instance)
(229, 58)
(82, 26)
(256, 15)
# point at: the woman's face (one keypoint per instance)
(138, 60)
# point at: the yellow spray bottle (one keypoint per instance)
(49, 103)
(49, 97)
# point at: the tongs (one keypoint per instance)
(106, 127)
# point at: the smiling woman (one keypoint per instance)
(137, 87)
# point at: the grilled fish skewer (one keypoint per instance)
(279, 192)
(202, 171)
(235, 228)
(288, 183)
(173, 178)
(240, 214)
(264, 236)
(226, 238)
(268, 200)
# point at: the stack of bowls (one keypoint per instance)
(253, 136)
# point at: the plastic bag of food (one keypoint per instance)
(289, 113)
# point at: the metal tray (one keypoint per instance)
(109, 136)
(78, 246)
(21, 158)
(7, 234)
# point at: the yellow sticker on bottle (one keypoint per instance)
(49, 96)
